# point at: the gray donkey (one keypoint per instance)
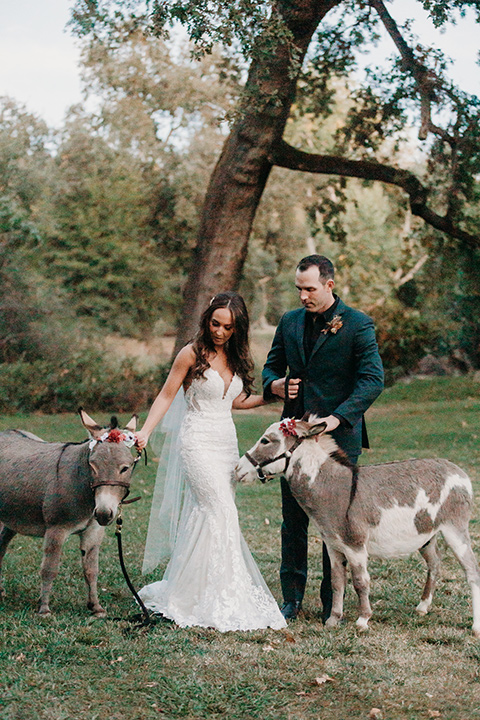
(386, 510)
(52, 489)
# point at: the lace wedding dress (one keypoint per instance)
(211, 579)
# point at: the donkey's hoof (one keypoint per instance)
(97, 610)
(362, 624)
(332, 621)
(45, 612)
(476, 631)
(423, 606)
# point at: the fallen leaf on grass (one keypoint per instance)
(434, 713)
(289, 637)
(119, 659)
(151, 684)
(322, 679)
(21, 657)
(375, 714)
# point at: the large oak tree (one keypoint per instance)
(291, 49)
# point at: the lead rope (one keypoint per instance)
(147, 618)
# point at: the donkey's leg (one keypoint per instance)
(5, 536)
(52, 551)
(459, 540)
(339, 579)
(430, 555)
(90, 540)
(357, 559)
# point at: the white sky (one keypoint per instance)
(39, 58)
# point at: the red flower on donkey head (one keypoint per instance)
(115, 436)
(289, 427)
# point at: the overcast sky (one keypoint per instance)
(39, 57)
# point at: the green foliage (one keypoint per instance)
(110, 206)
(22, 292)
(126, 209)
(83, 377)
(25, 162)
(404, 337)
(100, 251)
(45, 361)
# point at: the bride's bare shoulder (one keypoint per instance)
(184, 364)
(186, 356)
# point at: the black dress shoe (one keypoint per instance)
(291, 609)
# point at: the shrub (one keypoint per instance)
(85, 378)
(403, 337)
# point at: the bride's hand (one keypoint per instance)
(142, 439)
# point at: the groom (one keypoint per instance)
(334, 370)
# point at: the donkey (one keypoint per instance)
(386, 510)
(52, 489)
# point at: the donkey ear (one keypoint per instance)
(309, 426)
(132, 424)
(89, 424)
(313, 426)
(317, 428)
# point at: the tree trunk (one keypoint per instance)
(240, 176)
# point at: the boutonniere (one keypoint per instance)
(334, 325)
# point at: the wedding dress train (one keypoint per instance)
(211, 579)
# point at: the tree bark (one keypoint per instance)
(239, 178)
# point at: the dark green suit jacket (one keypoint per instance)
(343, 375)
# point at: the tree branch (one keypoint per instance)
(425, 79)
(284, 155)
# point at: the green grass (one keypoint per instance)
(73, 667)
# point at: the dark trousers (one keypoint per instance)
(293, 570)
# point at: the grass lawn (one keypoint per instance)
(73, 667)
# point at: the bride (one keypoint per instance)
(211, 579)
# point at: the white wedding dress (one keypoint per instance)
(211, 579)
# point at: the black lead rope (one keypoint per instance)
(147, 618)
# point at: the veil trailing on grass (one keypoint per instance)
(169, 486)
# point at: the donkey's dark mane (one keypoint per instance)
(341, 457)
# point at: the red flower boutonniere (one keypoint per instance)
(334, 325)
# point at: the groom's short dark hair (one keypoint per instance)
(325, 267)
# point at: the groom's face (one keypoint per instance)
(316, 294)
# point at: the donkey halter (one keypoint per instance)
(121, 483)
(287, 454)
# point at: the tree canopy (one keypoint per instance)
(292, 49)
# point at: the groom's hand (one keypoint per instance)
(331, 422)
(278, 388)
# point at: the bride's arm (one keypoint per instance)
(179, 371)
(242, 402)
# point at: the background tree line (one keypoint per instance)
(99, 223)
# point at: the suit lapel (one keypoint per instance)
(299, 332)
(323, 337)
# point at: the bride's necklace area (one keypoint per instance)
(222, 369)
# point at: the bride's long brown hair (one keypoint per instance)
(237, 348)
